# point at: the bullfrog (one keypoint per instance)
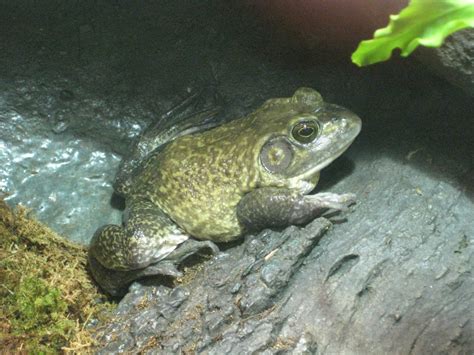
(215, 184)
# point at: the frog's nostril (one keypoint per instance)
(342, 122)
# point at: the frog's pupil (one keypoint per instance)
(306, 131)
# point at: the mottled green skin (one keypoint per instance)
(195, 183)
(201, 179)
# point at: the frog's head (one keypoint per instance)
(303, 135)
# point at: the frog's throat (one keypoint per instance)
(301, 180)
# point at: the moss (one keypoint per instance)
(38, 307)
(46, 295)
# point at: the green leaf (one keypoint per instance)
(425, 22)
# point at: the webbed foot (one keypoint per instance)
(338, 202)
(191, 247)
(116, 282)
(279, 207)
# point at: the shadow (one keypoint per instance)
(422, 121)
(117, 202)
(335, 172)
(157, 280)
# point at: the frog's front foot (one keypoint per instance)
(279, 207)
(338, 202)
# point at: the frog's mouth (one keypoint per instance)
(334, 156)
(305, 181)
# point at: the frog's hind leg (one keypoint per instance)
(146, 236)
(145, 245)
(116, 282)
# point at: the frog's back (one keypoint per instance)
(153, 140)
(195, 180)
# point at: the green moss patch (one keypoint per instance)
(46, 295)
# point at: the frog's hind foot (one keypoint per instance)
(191, 247)
(116, 282)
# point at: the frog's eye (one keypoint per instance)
(305, 131)
(276, 155)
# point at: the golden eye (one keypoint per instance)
(305, 131)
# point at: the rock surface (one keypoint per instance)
(454, 60)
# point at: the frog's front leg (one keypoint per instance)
(145, 245)
(279, 207)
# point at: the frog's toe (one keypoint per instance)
(211, 246)
(191, 247)
(332, 200)
(164, 267)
